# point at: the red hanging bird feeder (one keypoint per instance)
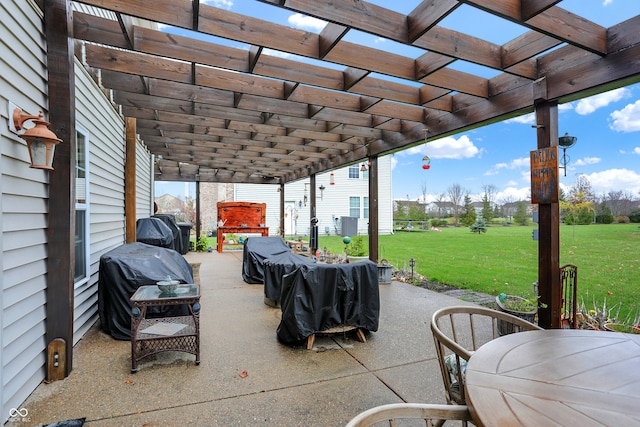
(426, 162)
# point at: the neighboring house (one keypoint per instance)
(442, 209)
(348, 196)
(100, 210)
(168, 203)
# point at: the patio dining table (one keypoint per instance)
(560, 377)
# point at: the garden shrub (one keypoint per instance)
(604, 219)
(623, 219)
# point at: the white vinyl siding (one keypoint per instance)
(105, 133)
(144, 184)
(23, 209)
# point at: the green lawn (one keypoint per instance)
(505, 259)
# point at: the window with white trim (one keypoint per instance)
(354, 172)
(354, 206)
(365, 207)
(81, 272)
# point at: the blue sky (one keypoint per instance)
(607, 125)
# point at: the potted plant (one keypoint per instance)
(384, 272)
(516, 306)
(621, 327)
(355, 249)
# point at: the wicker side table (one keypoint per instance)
(155, 335)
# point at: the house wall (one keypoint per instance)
(105, 130)
(334, 203)
(24, 202)
(23, 216)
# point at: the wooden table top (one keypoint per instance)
(556, 377)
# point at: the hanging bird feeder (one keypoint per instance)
(426, 162)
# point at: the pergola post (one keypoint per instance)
(61, 218)
(282, 210)
(313, 235)
(549, 228)
(373, 209)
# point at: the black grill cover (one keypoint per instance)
(126, 268)
(318, 297)
(277, 266)
(170, 221)
(255, 251)
(154, 231)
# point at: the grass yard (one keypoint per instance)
(505, 259)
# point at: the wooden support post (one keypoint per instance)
(130, 180)
(549, 228)
(313, 240)
(198, 220)
(282, 210)
(58, 26)
(373, 209)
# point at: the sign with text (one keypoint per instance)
(544, 175)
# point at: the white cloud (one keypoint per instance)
(614, 180)
(447, 148)
(627, 119)
(636, 151)
(304, 22)
(513, 193)
(380, 40)
(588, 161)
(522, 162)
(527, 119)
(222, 4)
(589, 105)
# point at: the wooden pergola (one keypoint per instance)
(214, 113)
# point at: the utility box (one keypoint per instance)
(349, 225)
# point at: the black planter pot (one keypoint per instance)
(505, 328)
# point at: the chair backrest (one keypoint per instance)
(458, 331)
(415, 411)
(569, 283)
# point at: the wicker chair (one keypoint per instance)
(460, 330)
(430, 414)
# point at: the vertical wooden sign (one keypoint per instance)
(544, 175)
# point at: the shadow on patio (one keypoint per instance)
(283, 386)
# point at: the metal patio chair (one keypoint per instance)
(430, 414)
(460, 330)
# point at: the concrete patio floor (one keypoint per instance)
(283, 386)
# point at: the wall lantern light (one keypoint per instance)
(331, 179)
(363, 168)
(321, 188)
(41, 142)
(565, 142)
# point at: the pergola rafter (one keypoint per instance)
(252, 116)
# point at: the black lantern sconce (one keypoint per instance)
(321, 188)
(41, 142)
(565, 142)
